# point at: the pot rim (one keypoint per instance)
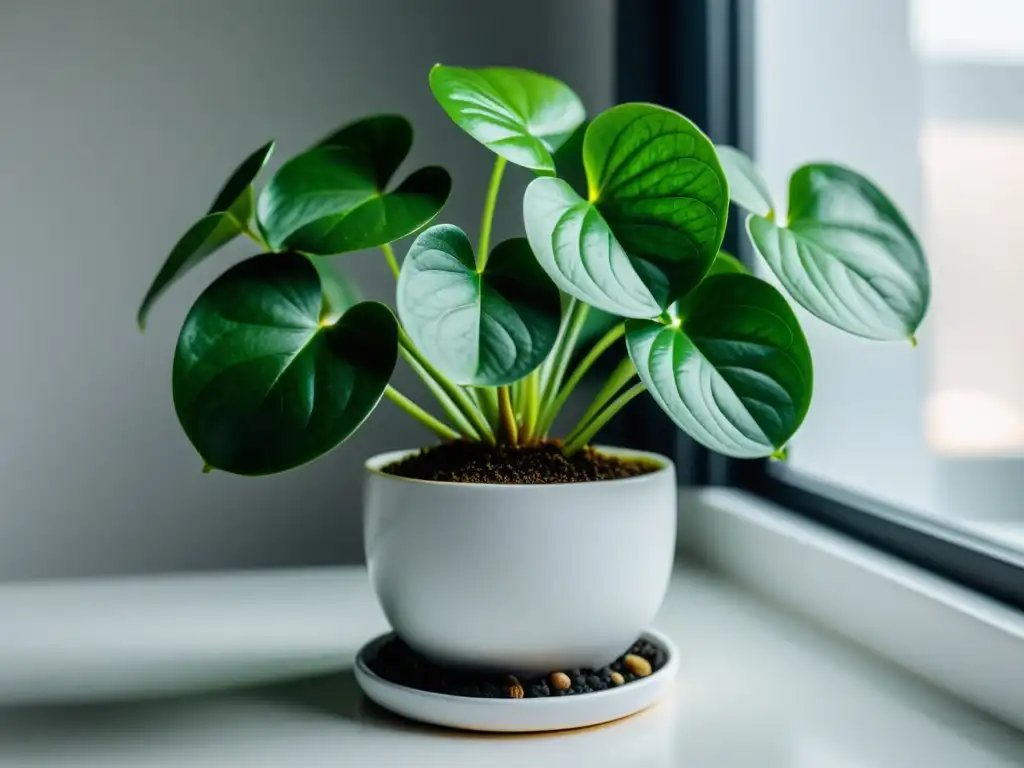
(374, 464)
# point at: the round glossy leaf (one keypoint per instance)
(231, 210)
(576, 247)
(654, 220)
(734, 372)
(479, 329)
(334, 198)
(260, 384)
(747, 188)
(847, 255)
(521, 115)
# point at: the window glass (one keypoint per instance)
(924, 96)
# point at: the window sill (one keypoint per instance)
(963, 642)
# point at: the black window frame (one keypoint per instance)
(697, 57)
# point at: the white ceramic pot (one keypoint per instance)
(520, 578)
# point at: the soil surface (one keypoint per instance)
(465, 462)
(396, 662)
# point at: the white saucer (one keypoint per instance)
(517, 715)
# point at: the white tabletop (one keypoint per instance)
(757, 689)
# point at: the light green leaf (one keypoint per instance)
(260, 384)
(226, 219)
(521, 115)
(479, 329)
(747, 188)
(654, 220)
(334, 198)
(735, 372)
(847, 255)
(576, 247)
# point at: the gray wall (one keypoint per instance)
(118, 121)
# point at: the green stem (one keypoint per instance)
(572, 323)
(601, 419)
(454, 392)
(487, 398)
(447, 405)
(488, 216)
(531, 408)
(389, 254)
(436, 426)
(253, 235)
(548, 416)
(509, 429)
(620, 377)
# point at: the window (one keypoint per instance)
(918, 451)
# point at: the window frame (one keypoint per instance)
(697, 57)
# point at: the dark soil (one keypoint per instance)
(465, 462)
(396, 662)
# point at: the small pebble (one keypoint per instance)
(560, 681)
(397, 662)
(638, 665)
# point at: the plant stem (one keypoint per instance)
(253, 235)
(509, 429)
(454, 392)
(389, 254)
(548, 416)
(572, 323)
(531, 408)
(447, 405)
(622, 375)
(487, 398)
(488, 217)
(601, 419)
(436, 426)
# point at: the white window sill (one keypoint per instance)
(758, 686)
(964, 642)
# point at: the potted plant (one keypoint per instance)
(505, 546)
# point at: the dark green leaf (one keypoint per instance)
(569, 161)
(479, 329)
(654, 220)
(747, 188)
(847, 255)
(241, 180)
(333, 198)
(230, 212)
(260, 384)
(521, 115)
(735, 372)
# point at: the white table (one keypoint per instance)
(758, 688)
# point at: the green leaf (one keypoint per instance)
(747, 188)
(726, 264)
(241, 180)
(654, 220)
(479, 329)
(847, 255)
(226, 219)
(260, 384)
(735, 372)
(334, 198)
(569, 160)
(521, 115)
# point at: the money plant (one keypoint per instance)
(279, 361)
